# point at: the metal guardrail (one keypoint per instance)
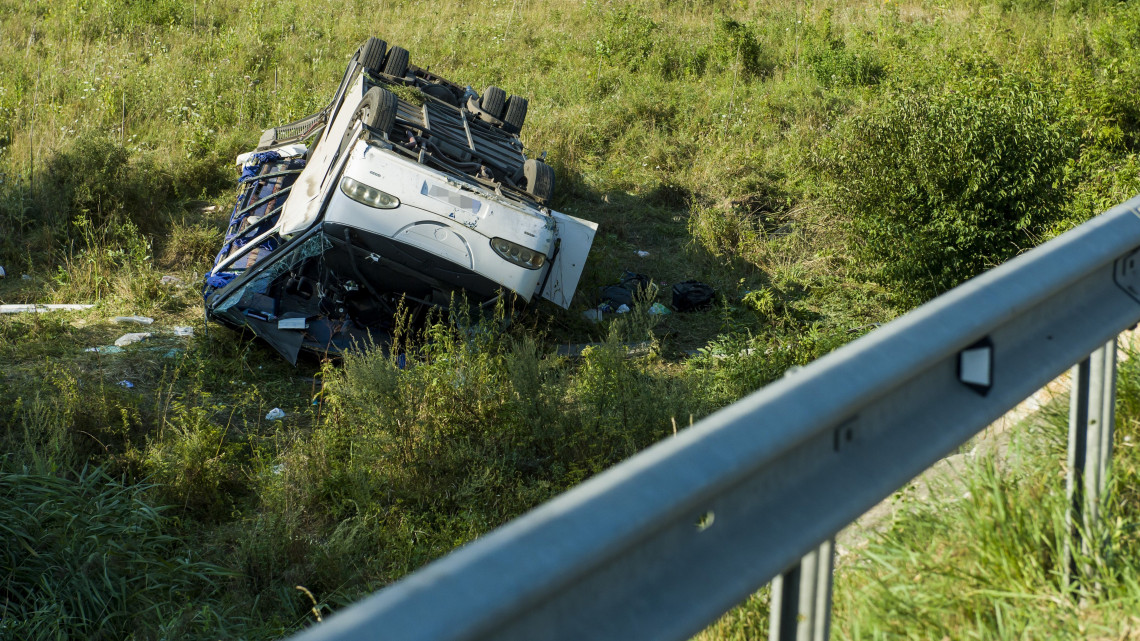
(662, 544)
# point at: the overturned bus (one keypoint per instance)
(406, 189)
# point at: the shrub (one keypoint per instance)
(735, 43)
(940, 187)
(96, 178)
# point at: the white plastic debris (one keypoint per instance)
(623, 309)
(127, 384)
(39, 309)
(141, 320)
(593, 315)
(183, 330)
(275, 414)
(642, 254)
(3, 273)
(105, 349)
(130, 339)
(171, 280)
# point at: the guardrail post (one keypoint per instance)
(800, 608)
(1091, 416)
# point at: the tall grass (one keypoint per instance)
(707, 134)
(88, 556)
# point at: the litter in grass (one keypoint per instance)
(3, 273)
(171, 280)
(25, 277)
(172, 353)
(275, 414)
(575, 350)
(623, 309)
(105, 349)
(130, 339)
(127, 384)
(657, 309)
(630, 287)
(593, 315)
(183, 330)
(39, 309)
(642, 253)
(692, 295)
(141, 320)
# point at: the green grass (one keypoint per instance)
(724, 138)
(984, 559)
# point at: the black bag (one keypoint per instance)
(692, 295)
(632, 287)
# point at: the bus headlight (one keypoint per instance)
(517, 254)
(366, 195)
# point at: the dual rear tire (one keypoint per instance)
(377, 58)
(510, 111)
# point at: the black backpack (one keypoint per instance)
(692, 295)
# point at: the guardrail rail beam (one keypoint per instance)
(634, 552)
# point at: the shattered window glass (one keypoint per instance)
(308, 249)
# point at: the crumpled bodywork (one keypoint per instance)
(343, 217)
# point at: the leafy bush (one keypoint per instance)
(939, 187)
(95, 178)
(734, 43)
(835, 65)
(449, 436)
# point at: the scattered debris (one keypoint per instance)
(575, 350)
(106, 349)
(171, 280)
(127, 384)
(25, 277)
(183, 330)
(172, 353)
(642, 254)
(141, 320)
(692, 295)
(275, 414)
(623, 309)
(3, 273)
(593, 315)
(130, 339)
(39, 308)
(631, 286)
(657, 309)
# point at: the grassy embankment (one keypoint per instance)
(825, 167)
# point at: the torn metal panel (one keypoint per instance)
(407, 189)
